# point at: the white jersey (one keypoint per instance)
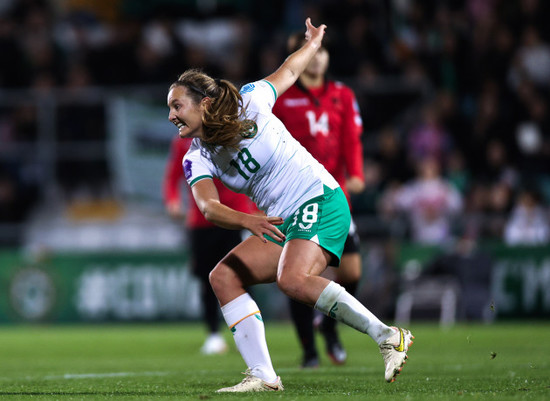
(271, 167)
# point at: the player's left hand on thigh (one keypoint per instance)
(266, 225)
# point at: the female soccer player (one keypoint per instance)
(323, 115)
(238, 140)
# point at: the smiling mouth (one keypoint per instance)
(181, 126)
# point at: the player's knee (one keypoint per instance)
(290, 284)
(218, 277)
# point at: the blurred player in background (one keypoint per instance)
(208, 242)
(237, 139)
(323, 115)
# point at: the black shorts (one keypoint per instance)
(352, 244)
(208, 246)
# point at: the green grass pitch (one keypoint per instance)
(503, 361)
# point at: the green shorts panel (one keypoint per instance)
(324, 220)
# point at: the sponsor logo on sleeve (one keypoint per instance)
(247, 88)
(187, 170)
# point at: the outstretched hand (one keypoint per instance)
(314, 34)
(287, 74)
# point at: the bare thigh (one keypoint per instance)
(251, 262)
(300, 267)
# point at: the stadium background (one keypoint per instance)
(84, 138)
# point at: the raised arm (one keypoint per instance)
(208, 200)
(285, 76)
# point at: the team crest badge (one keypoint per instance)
(252, 131)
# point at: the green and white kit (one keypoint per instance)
(272, 168)
(324, 220)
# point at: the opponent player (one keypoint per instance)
(238, 140)
(208, 242)
(323, 115)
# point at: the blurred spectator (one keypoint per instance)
(533, 138)
(224, 40)
(472, 267)
(488, 123)
(497, 166)
(24, 122)
(82, 122)
(14, 71)
(120, 50)
(499, 201)
(409, 24)
(452, 71)
(456, 172)
(9, 208)
(358, 47)
(389, 156)
(159, 53)
(428, 138)
(384, 168)
(17, 194)
(429, 201)
(451, 118)
(495, 62)
(45, 58)
(529, 222)
(532, 59)
(519, 14)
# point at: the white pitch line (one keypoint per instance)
(103, 375)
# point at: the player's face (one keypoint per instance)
(319, 63)
(185, 113)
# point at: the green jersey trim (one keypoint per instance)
(272, 87)
(200, 177)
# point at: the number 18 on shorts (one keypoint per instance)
(324, 220)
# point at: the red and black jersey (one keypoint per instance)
(174, 176)
(327, 122)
